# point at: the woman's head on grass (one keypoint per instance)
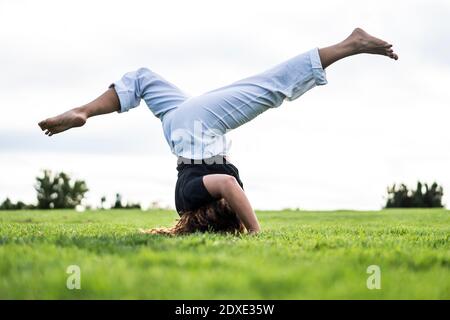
(216, 216)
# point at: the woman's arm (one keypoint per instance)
(226, 186)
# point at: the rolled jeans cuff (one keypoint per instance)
(124, 96)
(319, 73)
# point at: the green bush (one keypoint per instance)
(424, 196)
(7, 204)
(58, 191)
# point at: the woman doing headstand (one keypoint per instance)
(209, 194)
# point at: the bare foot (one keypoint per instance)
(70, 119)
(362, 42)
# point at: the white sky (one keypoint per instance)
(338, 146)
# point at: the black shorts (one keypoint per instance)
(190, 192)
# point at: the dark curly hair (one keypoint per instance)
(213, 217)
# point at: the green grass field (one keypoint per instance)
(299, 255)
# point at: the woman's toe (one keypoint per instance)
(43, 124)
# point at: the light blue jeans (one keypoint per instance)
(195, 127)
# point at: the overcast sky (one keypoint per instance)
(377, 121)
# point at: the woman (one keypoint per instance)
(209, 194)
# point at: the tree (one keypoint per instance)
(102, 202)
(118, 202)
(58, 191)
(422, 197)
(7, 204)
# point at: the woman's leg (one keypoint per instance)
(159, 94)
(231, 106)
(106, 103)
